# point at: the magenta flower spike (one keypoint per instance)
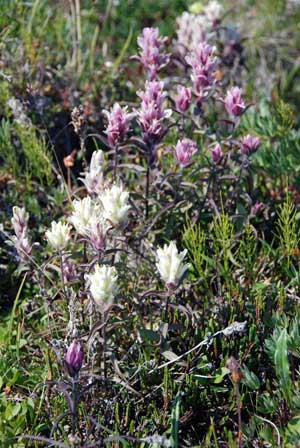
(183, 98)
(250, 144)
(203, 63)
(217, 153)
(118, 124)
(151, 43)
(185, 149)
(234, 103)
(152, 114)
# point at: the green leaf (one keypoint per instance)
(250, 379)
(150, 335)
(282, 365)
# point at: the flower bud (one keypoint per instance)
(74, 358)
(19, 221)
(185, 149)
(217, 153)
(250, 144)
(59, 235)
(170, 264)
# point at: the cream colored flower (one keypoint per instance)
(103, 286)
(85, 211)
(59, 235)
(115, 204)
(94, 176)
(170, 264)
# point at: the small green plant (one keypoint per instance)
(38, 161)
(223, 241)
(248, 247)
(287, 229)
(194, 239)
(7, 149)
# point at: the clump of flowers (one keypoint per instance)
(170, 264)
(103, 286)
(115, 205)
(21, 239)
(118, 124)
(59, 235)
(183, 98)
(151, 115)
(203, 63)
(151, 43)
(184, 150)
(249, 144)
(93, 180)
(234, 102)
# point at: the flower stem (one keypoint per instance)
(115, 163)
(105, 318)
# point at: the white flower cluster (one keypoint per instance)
(59, 235)
(170, 264)
(192, 28)
(103, 286)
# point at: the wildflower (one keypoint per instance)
(203, 63)
(151, 114)
(150, 44)
(216, 153)
(21, 239)
(68, 270)
(118, 124)
(191, 31)
(59, 235)
(78, 119)
(84, 211)
(115, 204)
(185, 149)
(94, 176)
(103, 286)
(257, 208)
(250, 144)
(97, 233)
(74, 359)
(213, 12)
(234, 103)
(19, 221)
(183, 98)
(170, 264)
